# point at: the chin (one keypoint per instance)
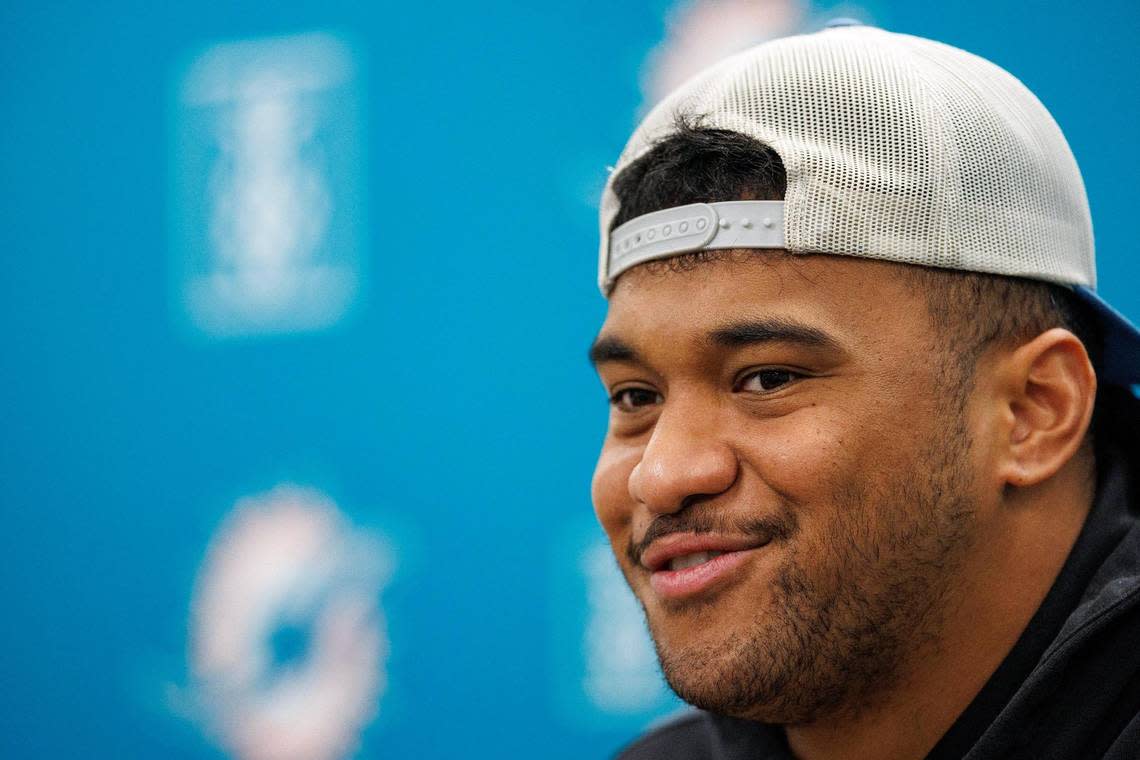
(719, 684)
(745, 663)
(709, 663)
(741, 690)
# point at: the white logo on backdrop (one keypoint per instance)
(701, 32)
(269, 199)
(288, 646)
(621, 675)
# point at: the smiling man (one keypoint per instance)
(871, 465)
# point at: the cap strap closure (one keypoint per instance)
(696, 227)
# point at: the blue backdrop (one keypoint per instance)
(451, 154)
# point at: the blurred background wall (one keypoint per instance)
(297, 427)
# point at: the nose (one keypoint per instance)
(686, 457)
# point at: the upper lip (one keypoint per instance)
(663, 550)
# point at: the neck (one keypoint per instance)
(1021, 547)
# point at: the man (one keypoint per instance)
(871, 465)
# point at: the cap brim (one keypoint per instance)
(1121, 361)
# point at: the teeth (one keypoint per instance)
(692, 560)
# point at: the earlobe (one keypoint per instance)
(1052, 391)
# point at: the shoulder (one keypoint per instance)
(685, 734)
(697, 735)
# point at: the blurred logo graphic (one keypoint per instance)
(701, 32)
(267, 198)
(288, 645)
(621, 673)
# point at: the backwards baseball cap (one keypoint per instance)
(896, 148)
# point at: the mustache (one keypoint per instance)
(775, 528)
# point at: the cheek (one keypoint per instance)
(610, 489)
(815, 456)
(798, 458)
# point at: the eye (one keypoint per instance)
(767, 380)
(632, 399)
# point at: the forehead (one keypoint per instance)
(860, 300)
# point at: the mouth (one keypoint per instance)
(684, 566)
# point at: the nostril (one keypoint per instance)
(696, 498)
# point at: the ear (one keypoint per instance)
(1051, 390)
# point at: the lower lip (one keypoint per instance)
(679, 584)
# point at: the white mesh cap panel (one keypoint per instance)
(896, 148)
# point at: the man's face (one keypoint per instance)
(787, 479)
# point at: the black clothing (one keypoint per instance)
(1069, 688)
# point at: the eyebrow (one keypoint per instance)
(610, 349)
(752, 332)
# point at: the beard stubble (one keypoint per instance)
(845, 612)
